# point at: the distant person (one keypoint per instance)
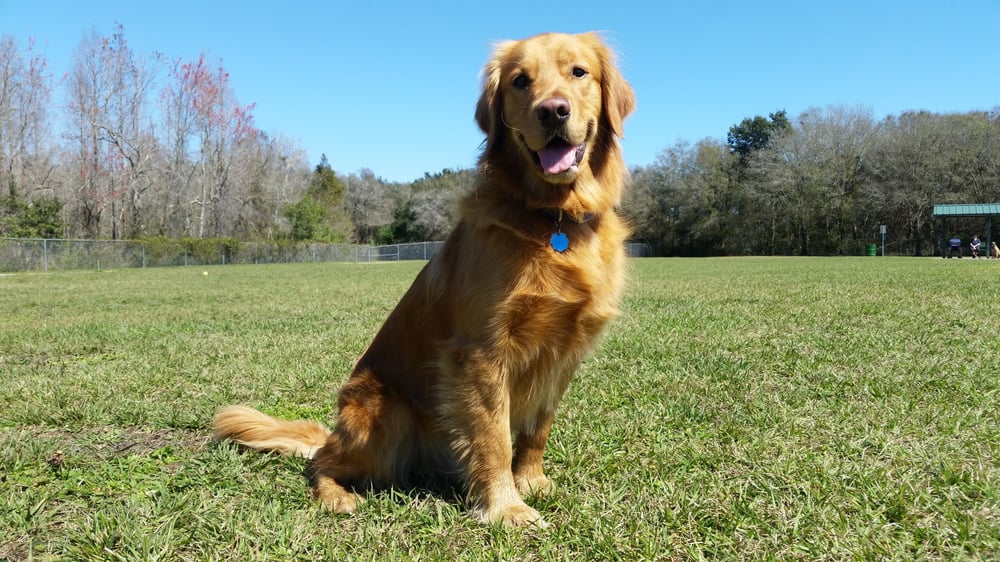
(955, 245)
(974, 247)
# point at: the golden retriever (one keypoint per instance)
(464, 377)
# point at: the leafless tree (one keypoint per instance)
(266, 175)
(221, 125)
(25, 159)
(370, 203)
(108, 92)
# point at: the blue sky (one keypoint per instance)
(391, 86)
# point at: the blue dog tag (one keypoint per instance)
(559, 242)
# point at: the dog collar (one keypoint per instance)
(558, 215)
(558, 239)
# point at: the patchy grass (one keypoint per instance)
(760, 408)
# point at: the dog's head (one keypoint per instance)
(552, 106)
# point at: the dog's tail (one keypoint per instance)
(256, 430)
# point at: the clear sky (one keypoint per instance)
(391, 86)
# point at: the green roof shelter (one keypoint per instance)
(966, 210)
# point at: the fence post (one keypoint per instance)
(45, 255)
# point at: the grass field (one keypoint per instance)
(785, 408)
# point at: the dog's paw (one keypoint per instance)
(534, 486)
(513, 515)
(522, 516)
(334, 498)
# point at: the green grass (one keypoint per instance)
(800, 408)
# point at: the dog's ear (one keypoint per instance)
(489, 109)
(618, 97)
(485, 108)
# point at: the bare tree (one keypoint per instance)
(266, 174)
(433, 203)
(25, 162)
(815, 180)
(108, 90)
(176, 175)
(220, 125)
(370, 204)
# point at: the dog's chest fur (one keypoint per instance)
(536, 312)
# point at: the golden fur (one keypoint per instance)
(464, 377)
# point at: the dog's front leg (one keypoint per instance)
(528, 450)
(476, 411)
(492, 487)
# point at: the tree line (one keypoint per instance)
(819, 184)
(155, 146)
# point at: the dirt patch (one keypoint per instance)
(16, 549)
(104, 442)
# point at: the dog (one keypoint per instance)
(994, 251)
(464, 377)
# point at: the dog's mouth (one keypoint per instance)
(558, 156)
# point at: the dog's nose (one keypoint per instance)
(553, 111)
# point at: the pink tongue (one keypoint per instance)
(557, 159)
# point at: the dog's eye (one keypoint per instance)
(579, 72)
(521, 81)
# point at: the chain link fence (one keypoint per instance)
(27, 254)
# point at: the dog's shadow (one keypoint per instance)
(419, 488)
